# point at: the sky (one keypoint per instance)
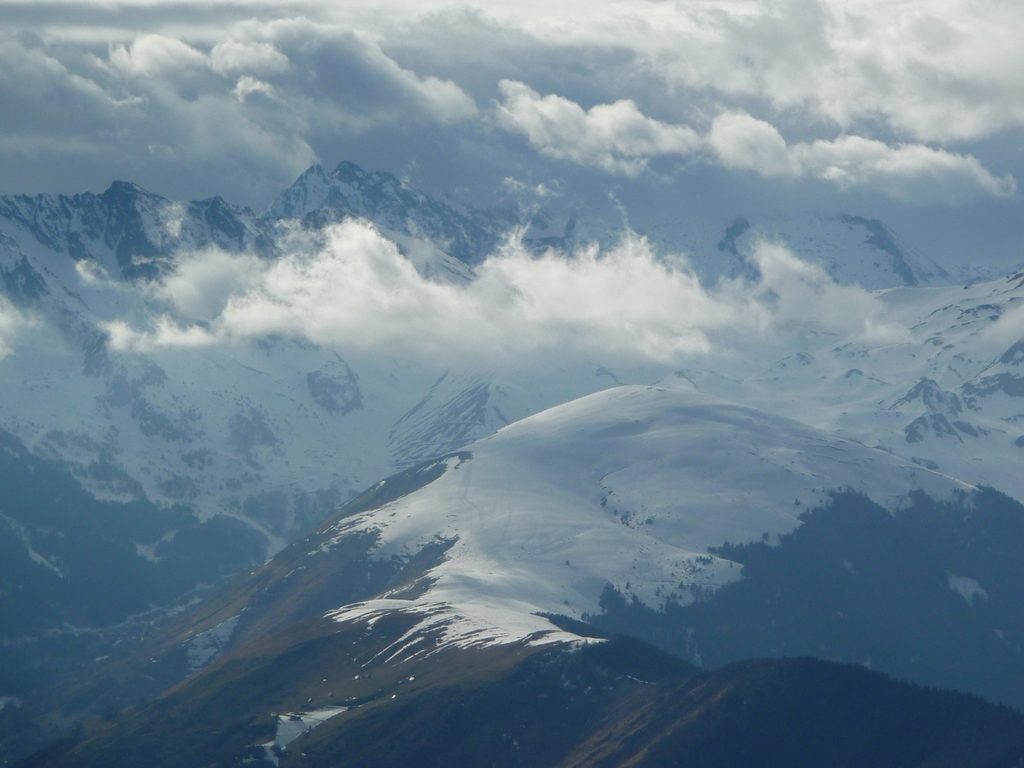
(911, 111)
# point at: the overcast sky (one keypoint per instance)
(913, 109)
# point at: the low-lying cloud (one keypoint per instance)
(356, 292)
(12, 325)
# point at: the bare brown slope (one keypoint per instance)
(617, 703)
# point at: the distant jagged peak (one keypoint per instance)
(346, 170)
(320, 197)
(120, 193)
(347, 185)
(127, 229)
(851, 248)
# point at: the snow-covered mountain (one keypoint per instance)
(949, 395)
(215, 430)
(716, 531)
(268, 436)
(229, 452)
(244, 429)
(126, 231)
(713, 530)
(223, 428)
(631, 487)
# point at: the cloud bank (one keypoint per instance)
(618, 138)
(247, 110)
(909, 172)
(917, 99)
(356, 292)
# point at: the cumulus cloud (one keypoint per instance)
(615, 137)
(619, 138)
(356, 292)
(157, 56)
(238, 98)
(911, 172)
(349, 77)
(931, 70)
(241, 114)
(233, 57)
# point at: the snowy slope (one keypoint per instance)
(949, 396)
(628, 487)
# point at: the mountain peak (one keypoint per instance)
(379, 182)
(319, 197)
(346, 169)
(314, 171)
(121, 188)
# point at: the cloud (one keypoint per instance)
(927, 70)
(348, 76)
(930, 70)
(355, 292)
(157, 56)
(202, 283)
(12, 324)
(618, 138)
(1004, 332)
(234, 57)
(250, 86)
(615, 137)
(241, 114)
(741, 141)
(238, 98)
(801, 296)
(909, 172)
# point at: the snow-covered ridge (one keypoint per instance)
(126, 231)
(631, 487)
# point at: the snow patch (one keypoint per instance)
(203, 647)
(9, 701)
(470, 624)
(969, 589)
(26, 539)
(292, 725)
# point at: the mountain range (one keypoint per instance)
(479, 607)
(756, 505)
